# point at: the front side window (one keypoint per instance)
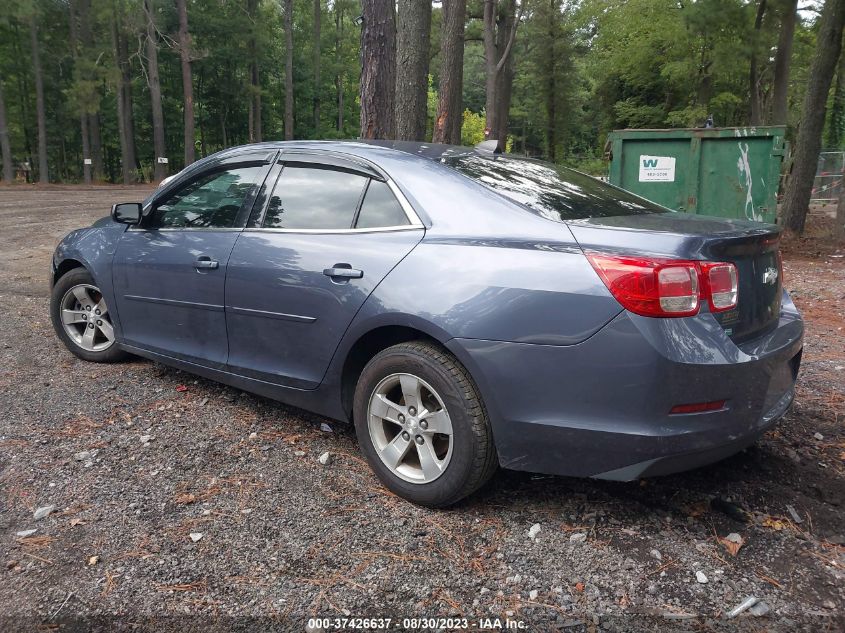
(211, 201)
(380, 208)
(314, 198)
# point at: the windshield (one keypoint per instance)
(553, 192)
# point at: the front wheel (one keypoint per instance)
(422, 426)
(81, 318)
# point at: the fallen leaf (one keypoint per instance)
(93, 560)
(579, 586)
(775, 524)
(732, 546)
(76, 521)
(181, 388)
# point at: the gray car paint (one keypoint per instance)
(572, 383)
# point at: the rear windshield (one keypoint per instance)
(553, 192)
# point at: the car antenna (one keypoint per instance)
(492, 146)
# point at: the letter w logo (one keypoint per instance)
(649, 162)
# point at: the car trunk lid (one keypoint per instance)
(752, 247)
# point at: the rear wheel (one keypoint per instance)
(81, 318)
(422, 426)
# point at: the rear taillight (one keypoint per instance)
(667, 287)
(722, 285)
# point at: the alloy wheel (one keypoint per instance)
(85, 318)
(410, 428)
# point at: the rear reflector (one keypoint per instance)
(699, 407)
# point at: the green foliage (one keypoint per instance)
(472, 128)
(580, 69)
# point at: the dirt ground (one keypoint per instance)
(285, 538)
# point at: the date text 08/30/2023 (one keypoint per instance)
(421, 623)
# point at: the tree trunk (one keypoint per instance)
(756, 117)
(839, 222)
(255, 133)
(83, 117)
(447, 122)
(160, 168)
(808, 143)
(378, 72)
(338, 80)
(498, 38)
(93, 113)
(5, 146)
(836, 126)
(288, 70)
(96, 145)
(125, 157)
(551, 88)
(318, 15)
(187, 80)
(41, 117)
(413, 37)
(783, 62)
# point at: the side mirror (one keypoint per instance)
(126, 212)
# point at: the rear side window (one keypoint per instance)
(553, 192)
(314, 198)
(211, 201)
(380, 208)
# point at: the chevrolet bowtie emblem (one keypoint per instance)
(770, 276)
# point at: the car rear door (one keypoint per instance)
(327, 234)
(169, 272)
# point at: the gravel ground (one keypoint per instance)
(180, 503)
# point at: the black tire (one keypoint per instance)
(473, 460)
(67, 281)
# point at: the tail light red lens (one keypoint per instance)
(667, 287)
(722, 285)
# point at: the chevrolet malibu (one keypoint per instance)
(465, 309)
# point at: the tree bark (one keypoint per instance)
(160, 169)
(41, 117)
(338, 80)
(498, 38)
(756, 117)
(255, 132)
(126, 165)
(187, 80)
(378, 72)
(839, 221)
(447, 122)
(318, 15)
(83, 117)
(783, 62)
(93, 114)
(5, 146)
(413, 38)
(288, 70)
(808, 143)
(551, 87)
(836, 126)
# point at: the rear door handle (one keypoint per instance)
(343, 271)
(206, 263)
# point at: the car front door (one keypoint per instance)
(170, 271)
(325, 238)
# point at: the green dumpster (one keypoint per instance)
(725, 172)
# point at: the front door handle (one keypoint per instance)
(343, 271)
(205, 263)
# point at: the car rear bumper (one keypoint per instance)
(601, 408)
